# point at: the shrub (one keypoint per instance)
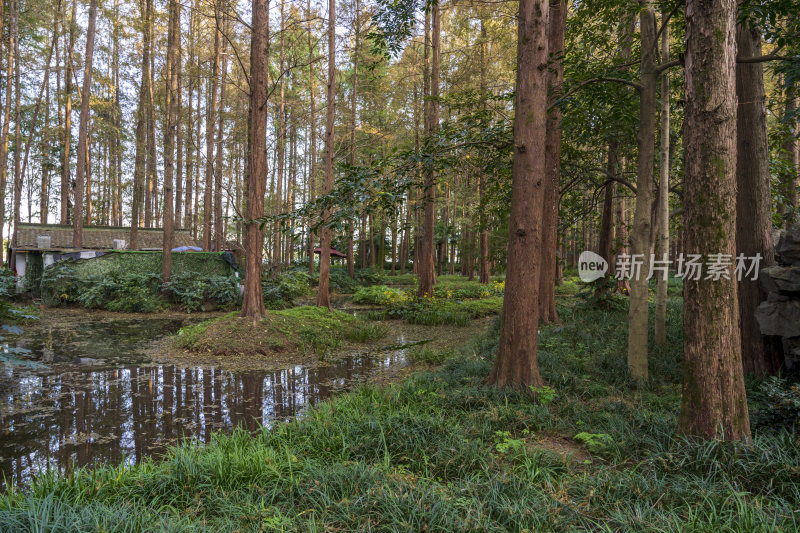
(282, 290)
(8, 283)
(368, 276)
(131, 293)
(60, 283)
(192, 291)
(381, 295)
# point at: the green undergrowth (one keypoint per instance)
(443, 452)
(454, 303)
(300, 330)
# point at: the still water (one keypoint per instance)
(90, 394)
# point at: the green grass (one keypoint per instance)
(295, 330)
(441, 451)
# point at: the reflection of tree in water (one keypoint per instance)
(86, 416)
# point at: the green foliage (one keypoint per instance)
(61, 284)
(130, 293)
(283, 289)
(192, 291)
(776, 403)
(366, 332)
(598, 443)
(429, 356)
(544, 395)
(602, 294)
(381, 295)
(444, 451)
(8, 283)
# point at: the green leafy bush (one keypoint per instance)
(381, 295)
(282, 290)
(192, 291)
(130, 293)
(61, 284)
(8, 283)
(368, 276)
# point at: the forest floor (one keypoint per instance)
(441, 451)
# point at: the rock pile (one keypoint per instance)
(780, 313)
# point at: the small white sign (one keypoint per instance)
(591, 266)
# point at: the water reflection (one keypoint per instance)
(96, 406)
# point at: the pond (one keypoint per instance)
(92, 393)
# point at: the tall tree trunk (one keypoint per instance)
(83, 130)
(253, 302)
(638, 310)
(323, 294)
(547, 285)
(17, 125)
(173, 64)
(761, 355)
(713, 404)
(140, 157)
(426, 273)
(211, 120)
(281, 142)
(663, 195)
(65, 165)
(219, 222)
(517, 356)
(312, 135)
(353, 121)
(792, 149)
(178, 129)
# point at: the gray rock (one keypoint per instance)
(780, 279)
(787, 251)
(779, 315)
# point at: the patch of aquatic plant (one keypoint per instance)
(281, 290)
(429, 356)
(194, 292)
(366, 332)
(444, 452)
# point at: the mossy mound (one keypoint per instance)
(300, 330)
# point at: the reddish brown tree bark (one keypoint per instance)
(323, 293)
(547, 283)
(253, 302)
(83, 129)
(517, 359)
(761, 354)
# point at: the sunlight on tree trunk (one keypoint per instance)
(517, 360)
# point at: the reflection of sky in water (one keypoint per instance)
(109, 405)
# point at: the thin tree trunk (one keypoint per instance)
(713, 404)
(323, 296)
(65, 166)
(312, 135)
(219, 222)
(517, 357)
(83, 130)
(173, 64)
(638, 310)
(211, 120)
(17, 126)
(663, 195)
(140, 157)
(547, 284)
